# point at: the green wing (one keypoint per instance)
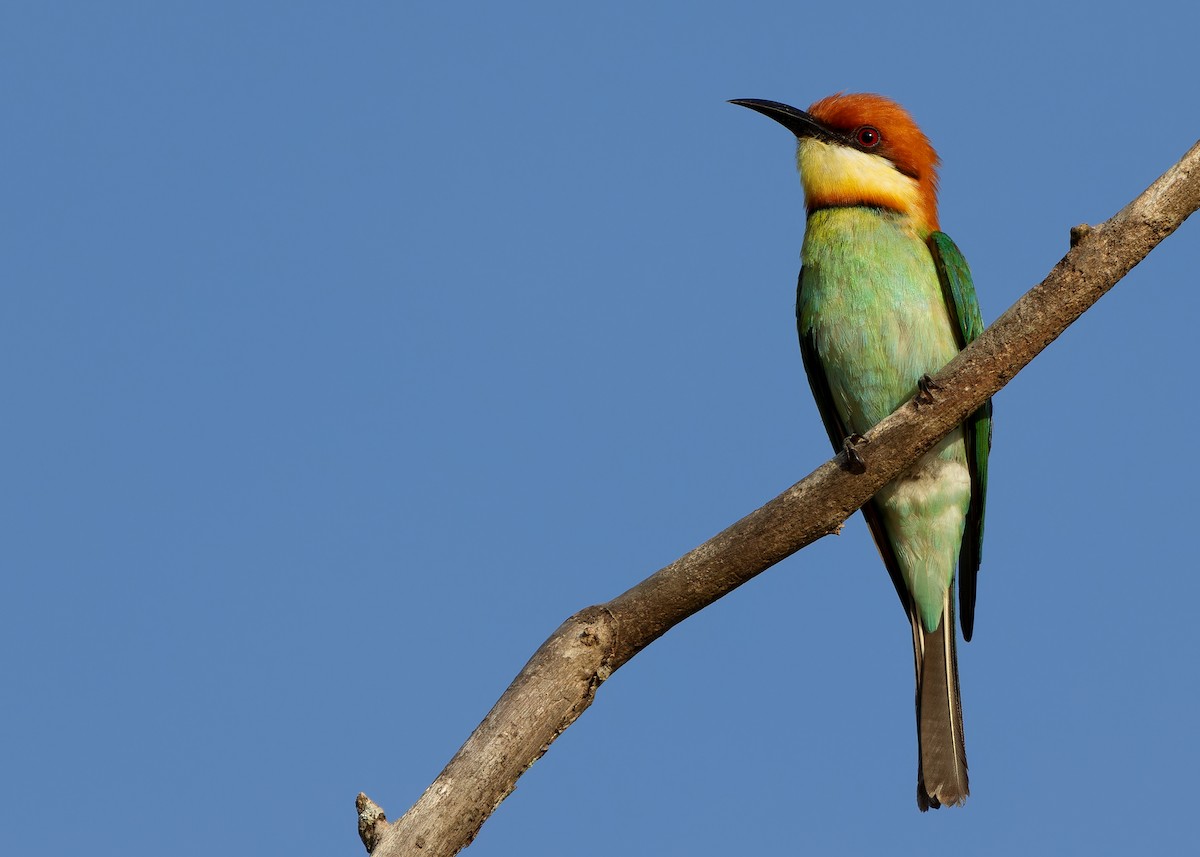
(838, 433)
(959, 293)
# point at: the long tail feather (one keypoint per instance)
(942, 755)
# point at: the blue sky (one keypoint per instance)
(349, 348)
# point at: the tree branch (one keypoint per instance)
(560, 680)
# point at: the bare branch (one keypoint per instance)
(561, 678)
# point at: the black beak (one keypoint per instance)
(797, 121)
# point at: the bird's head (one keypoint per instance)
(861, 149)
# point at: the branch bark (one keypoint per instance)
(560, 680)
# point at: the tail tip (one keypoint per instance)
(927, 802)
(937, 798)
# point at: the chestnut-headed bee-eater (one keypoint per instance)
(885, 299)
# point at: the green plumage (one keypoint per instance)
(873, 317)
(878, 307)
(967, 321)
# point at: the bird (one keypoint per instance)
(885, 299)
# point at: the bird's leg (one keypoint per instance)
(854, 460)
(925, 388)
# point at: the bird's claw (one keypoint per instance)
(925, 388)
(855, 463)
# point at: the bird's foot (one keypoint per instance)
(925, 388)
(855, 463)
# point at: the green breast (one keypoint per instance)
(871, 298)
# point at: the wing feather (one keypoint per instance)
(958, 290)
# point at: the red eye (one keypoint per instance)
(867, 137)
